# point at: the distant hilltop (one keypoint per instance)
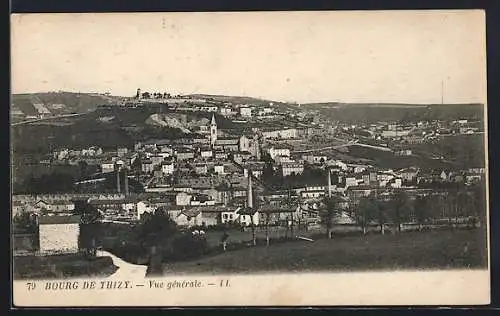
(61, 102)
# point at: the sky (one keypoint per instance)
(397, 57)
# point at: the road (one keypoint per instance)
(352, 142)
(126, 271)
(47, 119)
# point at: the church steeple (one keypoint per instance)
(213, 130)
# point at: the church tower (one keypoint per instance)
(213, 131)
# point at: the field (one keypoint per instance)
(411, 250)
(61, 266)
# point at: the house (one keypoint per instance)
(315, 159)
(107, 167)
(201, 168)
(244, 143)
(183, 198)
(58, 233)
(229, 216)
(315, 191)
(410, 174)
(403, 152)
(121, 152)
(355, 194)
(189, 217)
(291, 168)
(144, 207)
(246, 217)
(273, 152)
(184, 154)
(227, 144)
(245, 111)
(221, 155)
(219, 169)
(241, 156)
(147, 166)
(167, 167)
(206, 152)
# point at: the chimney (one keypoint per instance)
(126, 182)
(250, 192)
(329, 182)
(118, 179)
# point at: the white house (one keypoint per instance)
(274, 152)
(167, 167)
(144, 207)
(229, 216)
(107, 167)
(246, 220)
(206, 153)
(219, 169)
(183, 198)
(59, 233)
(245, 111)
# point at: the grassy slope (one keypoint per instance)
(413, 250)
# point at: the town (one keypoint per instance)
(251, 174)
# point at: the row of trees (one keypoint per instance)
(400, 209)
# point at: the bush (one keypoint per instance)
(187, 246)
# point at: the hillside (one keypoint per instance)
(59, 102)
(375, 112)
(246, 100)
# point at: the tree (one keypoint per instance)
(25, 221)
(380, 209)
(157, 228)
(329, 211)
(479, 204)
(422, 208)
(364, 213)
(401, 207)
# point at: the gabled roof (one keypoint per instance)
(59, 219)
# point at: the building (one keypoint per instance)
(287, 133)
(219, 169)
(167, 167)
(183, 198)
(189, 218)
(201, 168)
(147, 166)
(107, 167)
(403, 152)
(227, 144)
(315, 159)
(59, 233)
(291, 168)
(184, 154)
(121, 152)
(206, 153)
(274, 152)
(245, 111)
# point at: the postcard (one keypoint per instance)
(329, 158)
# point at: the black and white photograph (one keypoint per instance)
(150, 148)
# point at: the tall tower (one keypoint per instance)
(118, 190)
(125, 180)
(250, 192)
(213, 130)
(138, 95)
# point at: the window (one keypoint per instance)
(225, 216)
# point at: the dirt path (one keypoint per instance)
(125, 270)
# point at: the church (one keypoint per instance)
(242, 143)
